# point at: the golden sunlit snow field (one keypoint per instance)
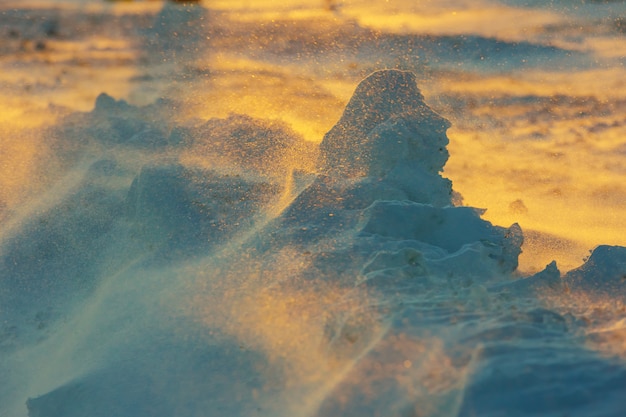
(204, 210)
(540, 143)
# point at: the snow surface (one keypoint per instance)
(173, 266)
(358, 299)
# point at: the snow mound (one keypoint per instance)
(176, 288)
(383, 194)
(193, 209)
(388, 99)
(449, 228)
(389, 134)
(116, 122)
(262, 147)
(604, 273)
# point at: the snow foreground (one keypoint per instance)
(226, 268)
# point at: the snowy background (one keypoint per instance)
(308, 208)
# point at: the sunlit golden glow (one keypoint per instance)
(277, 312)
(511, 23)
(418, 371)
(330, 343)
(23, 154)
(558, 154)
(543, 147)
(267, 91)
(604, 328)
(312, 331)
(602, 83)
(551, 166)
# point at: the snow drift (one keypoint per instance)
(156, 287)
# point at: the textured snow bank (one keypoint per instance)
(369, 294)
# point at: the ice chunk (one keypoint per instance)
(106, 105)
(388, 145)
(385, 123)
(548, 279)
(391, 139)
(448, 228)
(603, 273)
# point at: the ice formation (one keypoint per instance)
(390, 139)
(370, 293)
(381, 175)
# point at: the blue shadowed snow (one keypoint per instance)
(227, 267)
(416, 310)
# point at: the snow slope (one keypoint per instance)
(179, 246)
(368, 294)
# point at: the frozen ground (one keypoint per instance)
(242, 209)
